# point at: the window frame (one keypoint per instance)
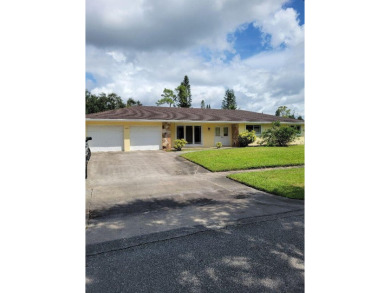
(253, 128)
(298, 128)
(193, 133)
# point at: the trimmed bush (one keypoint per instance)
(246, 137)
(218, 145)
(178, 144)
(279, 135)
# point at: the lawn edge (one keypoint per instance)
(239, 169)
(263, 190)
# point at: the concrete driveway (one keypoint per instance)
(138, 193)
(117, 178)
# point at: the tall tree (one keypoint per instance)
(202, 105)
(131, 102)
(283, 111)
(208, 106)
(184, 98)
(168, 97)
(229, 101)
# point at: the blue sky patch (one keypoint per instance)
(248, 41)
(299, 7)
(89, 76)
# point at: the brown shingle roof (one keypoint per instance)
(187, 114)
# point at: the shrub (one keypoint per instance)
(246, 137)
(179, 144)
(279, 135)
(218, 145)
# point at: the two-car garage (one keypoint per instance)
(113, 138)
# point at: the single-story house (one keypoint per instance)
(155, 128)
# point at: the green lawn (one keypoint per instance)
(285, 182)
(248, 158)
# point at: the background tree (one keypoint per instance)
(229, 101)
(208, 106)
(115, 101)
(91, 103)
(186, 83)
(202, 105)
(300, 117)
(102, 102)
(184, 98)
(168, 97)
(131, 102)
(283, 111)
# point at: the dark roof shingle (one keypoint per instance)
(187, 114)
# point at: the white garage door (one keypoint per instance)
(145, 138)
(105, 138)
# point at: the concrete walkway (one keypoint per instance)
(138, 193)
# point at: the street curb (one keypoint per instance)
(128, 243)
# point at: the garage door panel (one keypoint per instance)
(105, 138)
(145, 138)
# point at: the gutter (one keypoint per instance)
(190, 121)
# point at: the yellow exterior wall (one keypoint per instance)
(207, 135)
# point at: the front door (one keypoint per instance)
(222, 134)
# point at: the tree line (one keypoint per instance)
(104, 102)
(180, 97)
(283, 111)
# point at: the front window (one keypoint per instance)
(256, 128)
(226, 131)
(192, 134)
(298, 128)
(180, 132)
(189, 135)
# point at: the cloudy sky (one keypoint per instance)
(256, 47)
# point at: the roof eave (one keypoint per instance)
(190, 121)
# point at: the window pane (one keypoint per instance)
(226, 131)
(257, 129)
(249, 127)
(217, 131)
(198, 134)
(189, 134)
(180, 132)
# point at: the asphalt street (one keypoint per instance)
(262, 254)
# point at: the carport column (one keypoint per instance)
(166, 136)
(126, 138)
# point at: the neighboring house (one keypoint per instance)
(154, 128)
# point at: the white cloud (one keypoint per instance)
(143, 49)
(117, 56)
(170, 24)
(283, 28)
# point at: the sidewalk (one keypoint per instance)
(163, 214)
